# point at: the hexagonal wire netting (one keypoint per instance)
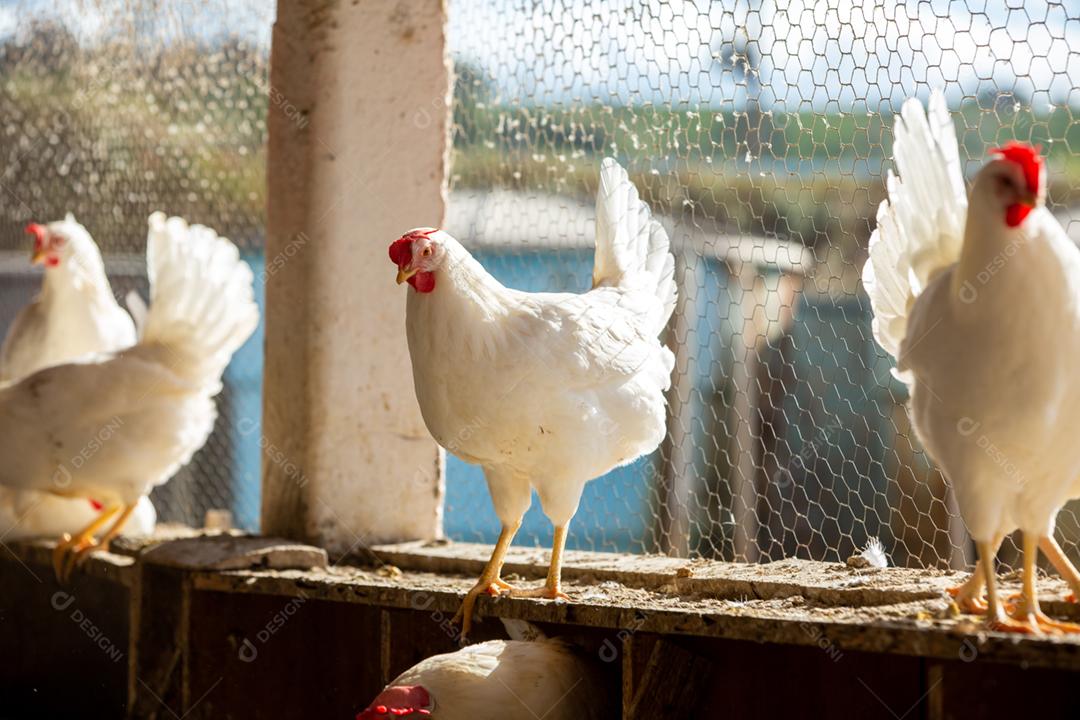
(759, 132)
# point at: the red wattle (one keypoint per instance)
(424, 282)
(1015, 214)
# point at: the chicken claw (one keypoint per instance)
(969, 595)
(545, 592)
(464, 614)
(69, 553)
(1041, 621)
(71, 549)
(72, 552)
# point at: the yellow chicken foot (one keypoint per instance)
(489, 582)
(80, 556)
(1062, 564)
(552, 589)
(1027, 610)
(969, 594)
(996, 618)
(502, 585)
(69, 548)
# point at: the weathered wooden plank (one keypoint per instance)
(62, 647)
(826, 583)
(672, 684)
(890, 629)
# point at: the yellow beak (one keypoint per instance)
(403, 275)
(38, 257)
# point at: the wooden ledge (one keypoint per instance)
(827, 605)
(795, 602)
(110, 566)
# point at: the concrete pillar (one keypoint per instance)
(359, 137)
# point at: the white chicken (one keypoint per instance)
(544, 390)
(74, 315)
(110, 427)
(508, 679)
(978, 298)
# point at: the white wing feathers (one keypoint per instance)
(631, 247)
(202, 305)
(920, 227)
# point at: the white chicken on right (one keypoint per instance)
(977, 296)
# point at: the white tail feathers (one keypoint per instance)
(631, 246)
(920, 228)
(202, 305)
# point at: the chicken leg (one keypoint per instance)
(72, 553)
(1027, 611)
(996, 618)
(1064, 566)
(552, 589)
(969, 594)
(69, 547)
(489, 582)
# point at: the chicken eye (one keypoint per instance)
(1006, 186)
(426, 252)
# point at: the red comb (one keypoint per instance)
(405, 701)
(1030, 162)
(401, 251)
(1027, 157)
(38, 231)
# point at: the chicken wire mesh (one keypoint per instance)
(759, 132)
(112, 110)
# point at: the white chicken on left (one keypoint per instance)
(75, 314)
(109, 427)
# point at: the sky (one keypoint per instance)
(820, 54)
(167, 20)
(817, 53)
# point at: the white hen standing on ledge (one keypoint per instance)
(977, 295)
(543, 390)
(74, 315)
(110, 427)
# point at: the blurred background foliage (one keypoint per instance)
(67, 143)
(812, 177)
